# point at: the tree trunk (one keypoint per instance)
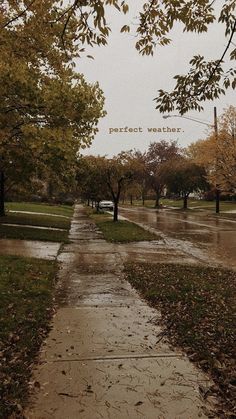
(2, 194)
(217, 201)
(131, 199)
(157, 200)
(143, 199)
(50, 191)
(185, 202)
(88, 202)
(115, 214)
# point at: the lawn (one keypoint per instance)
(200, 204)
(192, 203)
(198, 311)
(26, 300)
(36, 220)
(121, 231)
(59, 217)
(65, 210)
(31, 233)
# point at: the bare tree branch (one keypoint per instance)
(219, 61)
(19, 15)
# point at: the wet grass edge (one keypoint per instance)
(26, 307)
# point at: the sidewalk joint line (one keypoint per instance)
(116, 358)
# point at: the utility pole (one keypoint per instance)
(217, 163)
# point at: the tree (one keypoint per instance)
(141, 172)
(47, 111)
(48, 150)
(184, 177)
(218, 155)
(100, 177)
(136, 161)
(206, 80)
(90, 177)
(118, 174)
(158, 154)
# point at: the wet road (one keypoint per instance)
(205, 237)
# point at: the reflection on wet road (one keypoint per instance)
(203, 236)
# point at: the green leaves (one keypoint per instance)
(47, 111)
(204, 81)
(158, 17)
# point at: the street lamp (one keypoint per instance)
(215, 126)
(187, 117)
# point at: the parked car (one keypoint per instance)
(107, 205)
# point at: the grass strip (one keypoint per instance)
(199, 310)
(30, 233)
(121, 231)
(65, 210)
(26, 300)
(36, 220)
(192, 203)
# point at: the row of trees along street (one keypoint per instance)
(48, 111)
(164, 167)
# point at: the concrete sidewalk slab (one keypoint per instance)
(106, 355)
(29, 248)
(86, 335)
(154, 388)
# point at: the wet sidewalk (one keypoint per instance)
(105, 356)
(30, 248)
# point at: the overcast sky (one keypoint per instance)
(130, 82)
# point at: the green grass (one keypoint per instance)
(123, 231)
(198, 309)
(64, 210)
(149, 203)
(36, 220)
(178, 203)
(30, 233)
(26, 298)
(200, 204)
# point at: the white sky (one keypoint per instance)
(130, 82)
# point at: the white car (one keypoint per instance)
(106, 205)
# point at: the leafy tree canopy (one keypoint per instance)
(183, 177)
(77, 23)
(218, 155)
(47, 111)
